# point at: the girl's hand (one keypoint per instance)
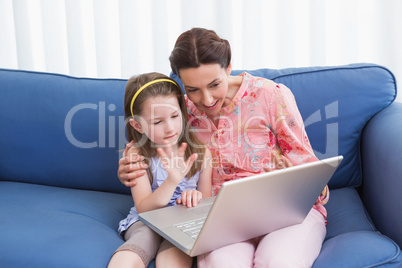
(175, 164)
(278, 161)
(190, 198)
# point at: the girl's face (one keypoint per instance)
(161, 120)
(207, 87)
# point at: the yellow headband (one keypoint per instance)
(147, 85)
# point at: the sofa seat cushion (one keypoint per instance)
(352, 240)
(359, 249)
(346, 213)
(59, 227)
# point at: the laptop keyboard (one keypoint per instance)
(191, 228)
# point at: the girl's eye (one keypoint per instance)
(174, 116)
(157, 122)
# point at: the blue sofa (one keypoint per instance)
(61, 139)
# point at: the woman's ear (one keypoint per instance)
(136, 125)
(229, 69)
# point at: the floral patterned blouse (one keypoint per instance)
(262, 120)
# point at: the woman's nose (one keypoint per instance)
(207, 99)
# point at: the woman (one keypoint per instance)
(250, 125)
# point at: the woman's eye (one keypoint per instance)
(192, 90)
(157, 122)
(215, 85)
(174, 116)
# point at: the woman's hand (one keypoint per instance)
(131, 167)
(175, 164)
(278, 161)
(189, 198)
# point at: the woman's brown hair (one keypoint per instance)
(142, 142)
(199, 46)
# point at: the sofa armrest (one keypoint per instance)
(382, 170)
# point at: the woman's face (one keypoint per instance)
(206, 86)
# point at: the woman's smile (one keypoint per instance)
(212, 106)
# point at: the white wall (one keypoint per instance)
(119, 38)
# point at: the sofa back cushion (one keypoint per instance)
(61, 131)
(66, 131)
(336, 103)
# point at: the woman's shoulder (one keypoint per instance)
(252, 83)
(263, 86)
(260, 82)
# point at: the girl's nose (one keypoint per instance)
(168, 126)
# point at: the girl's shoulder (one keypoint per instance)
(207, 155)
(207, 160)
(207, 152)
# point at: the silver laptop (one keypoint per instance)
(244, 208)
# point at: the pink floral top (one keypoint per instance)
(262, 119)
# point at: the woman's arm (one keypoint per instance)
(131, 167)
(288, 127)
(291, 134)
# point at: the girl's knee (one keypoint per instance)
(173, 257)
(126, 258)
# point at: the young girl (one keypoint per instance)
(177, 171)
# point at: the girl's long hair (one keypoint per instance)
(142, 142)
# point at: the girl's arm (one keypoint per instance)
(205, 180)
(176, 168)
(146, 200)
(143, 196)
(191, 198)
